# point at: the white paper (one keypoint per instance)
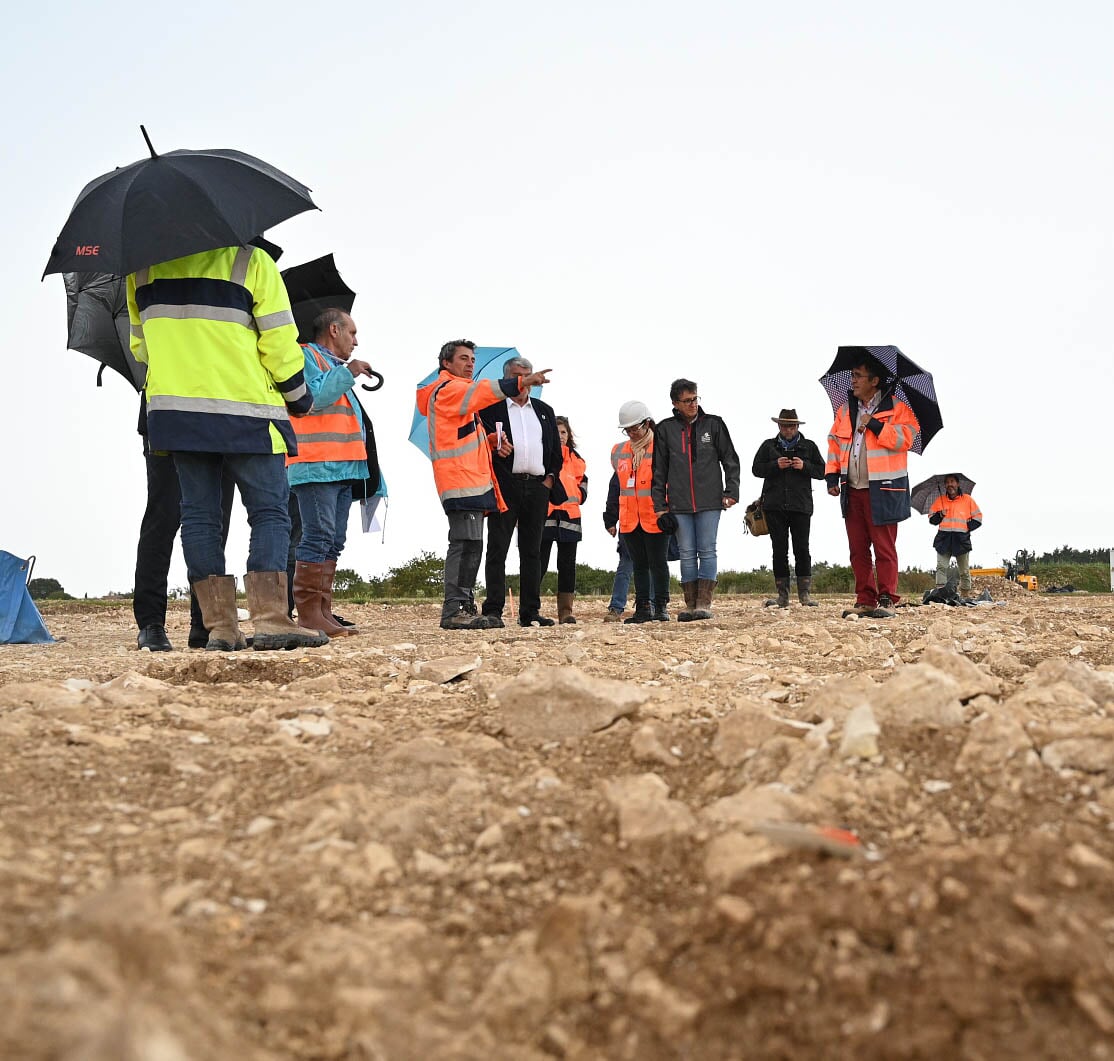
(371, 519)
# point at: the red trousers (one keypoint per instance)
(861, 535)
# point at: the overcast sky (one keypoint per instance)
(627, 192)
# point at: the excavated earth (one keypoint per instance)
(585, 842)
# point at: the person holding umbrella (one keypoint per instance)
(953, 510)
(866, 469)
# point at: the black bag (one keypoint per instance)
(755, 519)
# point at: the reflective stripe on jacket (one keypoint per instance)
(953, 537)
(458, 446)
(636, 502)
(888, 438)
(334, 433)
(223, 362)
(564, 519)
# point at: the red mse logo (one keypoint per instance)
(89, 248)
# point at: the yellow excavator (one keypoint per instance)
(1016, 570)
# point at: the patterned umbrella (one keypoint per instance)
(907, 381)
(933, 487)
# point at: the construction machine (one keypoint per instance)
(1016, 570)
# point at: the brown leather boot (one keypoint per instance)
(309, 599)
(705, 589)
(689, 590)
(564, 608)
(273, 627)
(217, 597)
(327, 580)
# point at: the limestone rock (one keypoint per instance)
(767, 803)
(919, 695)
(446, 668)
(1092, 755)
(995, 741)
(971, 680)
(645, 809)
(747, 727)
(670, 1011)
(646, 746)
(731, 856)
(860, 734)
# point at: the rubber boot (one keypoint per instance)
(642, 613)
(564, 608)
(782, 598)
(327, 579)
(273, 627)
(661, 612)
(689, 589)
(217, 597)
(803, 595)
(309, 599)
(705, 589)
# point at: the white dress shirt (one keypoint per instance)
(858, 475)
(526, 433)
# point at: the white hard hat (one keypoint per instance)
(631, 413)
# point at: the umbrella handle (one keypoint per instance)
(373, 386)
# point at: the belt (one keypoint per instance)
(527, 475)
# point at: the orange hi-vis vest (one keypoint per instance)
(636, 506)
(886, 460)
(458, 445)
(572, 477)
(330, 434)
(956, 513)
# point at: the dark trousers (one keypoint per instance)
(462, 562)
(161, 520)
(566, 563)
(781, 525)
(648, 553)
(527, 506)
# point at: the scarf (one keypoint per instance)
(638, 449)
(788, 443)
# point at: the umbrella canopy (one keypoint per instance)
(313, 287)
(489, 365)
(908, 382)
(167, 206)
(924, 494)
(97, 314)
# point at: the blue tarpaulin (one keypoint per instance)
(20, 621)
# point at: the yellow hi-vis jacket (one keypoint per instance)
(223, 361)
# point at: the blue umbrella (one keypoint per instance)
(489, 365)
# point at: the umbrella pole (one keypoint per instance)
(150, 146)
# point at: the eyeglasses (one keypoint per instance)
(861, 375)
(633, 428)
(688, 401)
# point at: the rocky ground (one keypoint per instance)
(772, 835)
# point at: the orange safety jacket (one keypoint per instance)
(888, 438)
(960, 517)
(564, 519)
(331, 434)
(636, 505)
(458, 445)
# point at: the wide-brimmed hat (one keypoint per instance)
(788, 416)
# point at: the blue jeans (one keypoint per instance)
(324, 511)
(261, 480)
(621, 587)
(696, 542)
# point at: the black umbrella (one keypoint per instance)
(907, 381)
(167, 206)
(314, 287)
(925, 493)
(97, 314)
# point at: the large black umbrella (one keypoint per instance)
(907, 381)
(97, 314)
(167, 206)
(924, 494)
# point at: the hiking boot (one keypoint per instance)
(154, 639)
(689, 590)
(614, 615)
(463, 621)
(803, 595)
(782, 598)
(885, 609)
(217, 597)
(861, 610)
(705, 590)
(660, 613)
(491, 622)
(274, 629)
(564, 608)
(539, 620)
(642, 614)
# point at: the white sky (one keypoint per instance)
(627, 192)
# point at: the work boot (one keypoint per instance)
(564, 608)
(705, 590)
(782, 598)
(614, 615)
(198, 637)
(346, 628)
(217, 597)
(803, 595)
(273, 627)
(863, 611)
(154, 639)
(642, 613)
(885, 609)
(309, 598)
(661, 613)
(689, 590)
(464, 620)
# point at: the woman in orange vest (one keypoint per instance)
(633, 462)
(563, 523)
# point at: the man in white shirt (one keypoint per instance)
(528, 477)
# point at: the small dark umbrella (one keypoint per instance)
(908, 381)
(167, 206)
(924, 494)
(97, 313)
